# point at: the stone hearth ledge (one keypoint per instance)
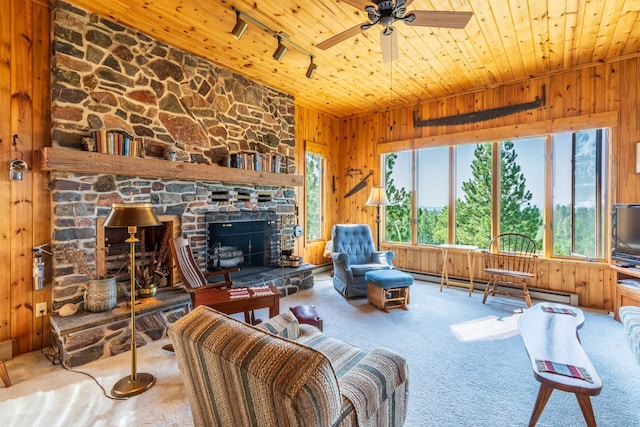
(85, 336)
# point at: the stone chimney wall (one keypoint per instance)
(108, 76)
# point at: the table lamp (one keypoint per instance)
(377, 198)
(132, 216)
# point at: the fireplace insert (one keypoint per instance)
(243, 241)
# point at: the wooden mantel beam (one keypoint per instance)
(70, 160)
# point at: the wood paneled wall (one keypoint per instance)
(25, 218)
(587, 94)
(317, 132)
(602, 95)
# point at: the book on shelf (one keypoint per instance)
(267, 162)
(116, 142)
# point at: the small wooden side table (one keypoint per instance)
(4, 374)
(470, 258)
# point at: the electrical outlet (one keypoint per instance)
(41, 309)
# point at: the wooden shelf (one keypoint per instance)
(625, 295)
(70, 160)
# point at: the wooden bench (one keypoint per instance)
(554, 337)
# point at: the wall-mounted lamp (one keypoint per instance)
(311, 69)
(240, 27)
(280, 50)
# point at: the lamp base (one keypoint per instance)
(127, 388)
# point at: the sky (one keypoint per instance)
(433, 170)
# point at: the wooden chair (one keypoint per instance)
(4, 374)
(511, 259)
(195, 281)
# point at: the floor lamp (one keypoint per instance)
(377, 198)
(132, 216)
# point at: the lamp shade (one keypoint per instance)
(131, 215)
(378, 197)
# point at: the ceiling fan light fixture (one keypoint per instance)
(240, 27)
(311, 69)
(280, 50)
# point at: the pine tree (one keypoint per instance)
(398, 213)
(313, 203)
(473, 211)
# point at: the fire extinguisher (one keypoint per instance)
(38, 266)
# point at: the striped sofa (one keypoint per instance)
(630, 318)
(282, 373)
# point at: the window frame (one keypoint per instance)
(603, 123)
(322, 151)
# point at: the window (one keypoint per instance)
(314, 168)
(473, 177)
(398, 183)
(499, 187)
(578, 194)
(432, 192)
(522, 188)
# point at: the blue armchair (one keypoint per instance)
(353, 255)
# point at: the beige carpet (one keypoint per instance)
(46, 395)
(467, 367)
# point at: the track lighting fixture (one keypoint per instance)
(240, 27)
(311, 69)
(280, 50)
(242, 20)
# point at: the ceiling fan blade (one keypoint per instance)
(358, 4)
(332, 41)
(439, 18)
(389, 43)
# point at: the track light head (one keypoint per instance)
(240, 27)
(280, 50)
(311, 69)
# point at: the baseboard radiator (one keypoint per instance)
(539, 294)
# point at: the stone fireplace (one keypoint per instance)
(81, 202)
(106, 76)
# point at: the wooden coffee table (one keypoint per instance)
(220, 299)
(554, 337)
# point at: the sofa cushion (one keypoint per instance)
(281, 382)
(245, 375)
(630, 318)
(284, 325)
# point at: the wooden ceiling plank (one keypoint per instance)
(591, 22)
(571, 22)
(605, 30)
(539, 22)
(505, 41)
(556, 33)
(523, 36)
(626, 41)
(494, 55)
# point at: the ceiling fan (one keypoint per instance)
(386, 13)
